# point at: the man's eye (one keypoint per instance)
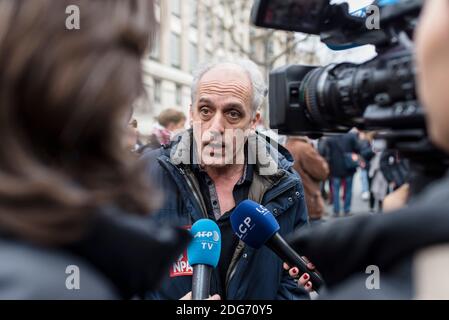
(234, 114)
(205, 111)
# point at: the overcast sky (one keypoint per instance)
(355, 5)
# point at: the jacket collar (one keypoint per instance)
(179, 155)
(268, 156)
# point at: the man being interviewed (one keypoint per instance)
(208, 170)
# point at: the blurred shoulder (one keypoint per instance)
(31, 273)
(436, 194)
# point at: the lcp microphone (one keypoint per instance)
(203, 255)
(256, 226)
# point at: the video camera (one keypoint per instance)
(378, 95)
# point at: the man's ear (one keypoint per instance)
(255, 121)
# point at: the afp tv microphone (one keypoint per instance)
(203, 255)
(256, 226)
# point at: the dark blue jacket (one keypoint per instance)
(337, 147)
(253, 274)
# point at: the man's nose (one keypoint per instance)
(217, 124)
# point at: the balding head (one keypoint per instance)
(232, 68)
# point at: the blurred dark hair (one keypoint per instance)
(65, 96)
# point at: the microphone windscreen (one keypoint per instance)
(205, 247)
(253, 223)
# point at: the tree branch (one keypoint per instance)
(232, 8)
(287, 49)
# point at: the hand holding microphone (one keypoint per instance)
(203, 255)
(302, 279)
(256, 226)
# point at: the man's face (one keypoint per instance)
(221, 114)
(433, 65)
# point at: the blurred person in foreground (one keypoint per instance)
(207, 171)
(410, 246)
(65, 178)
(313, 169)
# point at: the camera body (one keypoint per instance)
(374, 95)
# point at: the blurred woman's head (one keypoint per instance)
(64, 100)
(433, 64)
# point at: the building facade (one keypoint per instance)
(192, 32)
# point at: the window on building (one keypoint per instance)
(194, 13)
(175, 49)
(176, 7)
(252, 47)
(208, 56)
(252, 50)
(220, 35)
(156, 48)
(193, 55)
(179, 94)
(209, 23)
(157, 91)
(270, 48)
(252, 33)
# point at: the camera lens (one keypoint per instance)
(330, 96)
(337, 96)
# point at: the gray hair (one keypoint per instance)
(259, 86)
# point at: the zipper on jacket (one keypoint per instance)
(234, 267)
(215, 277)
(196, 193)
(235, 260)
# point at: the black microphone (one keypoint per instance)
(256, 226)
(203, 255)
